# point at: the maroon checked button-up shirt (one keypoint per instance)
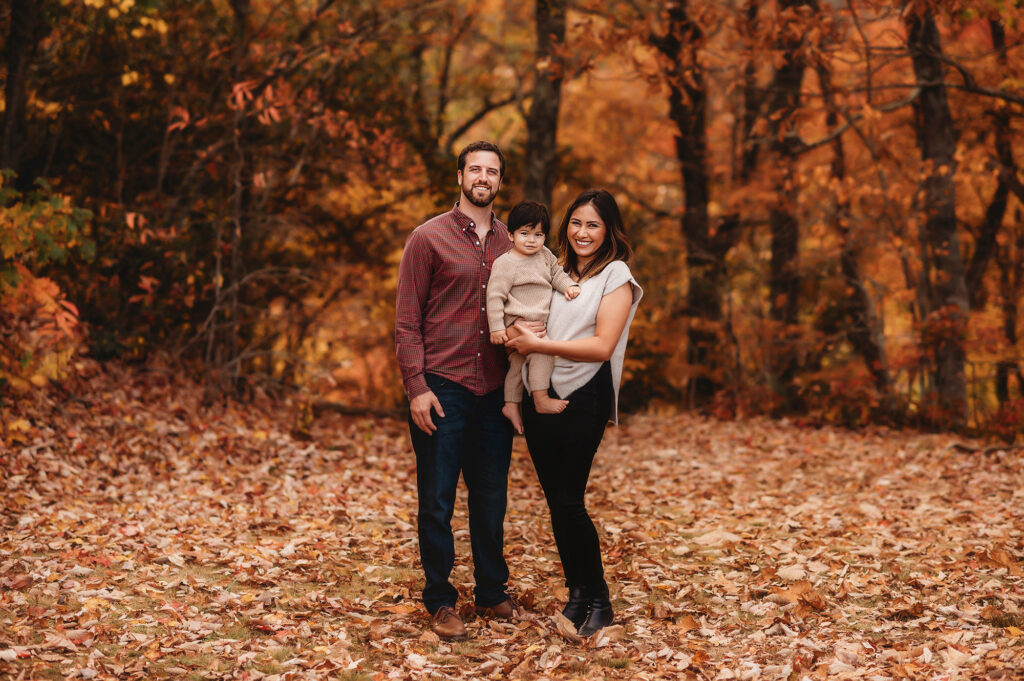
(440, 315)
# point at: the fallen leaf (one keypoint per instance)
(565, 627)
(791, 573)
(717, 538)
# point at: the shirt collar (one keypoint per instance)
(464, 222)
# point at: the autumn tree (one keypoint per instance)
(26, 27)
(541, 153)
(943, 267)
(684, 73)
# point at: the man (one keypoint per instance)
(453, 376)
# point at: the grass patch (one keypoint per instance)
(284, 653)
(465, 649)
(1007, 619)
(201, 660)
(354, 675)
(369, 585)
(269, 668)
(614, 662)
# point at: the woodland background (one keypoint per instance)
(202, 209)
(824, 195)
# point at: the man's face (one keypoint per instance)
(480, 178)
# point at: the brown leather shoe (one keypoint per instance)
(506, 610)
(446, 624)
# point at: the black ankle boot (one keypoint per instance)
(579, 603)
(599, 613)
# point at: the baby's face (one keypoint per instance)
(527, 239)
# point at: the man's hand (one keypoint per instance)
(572, 292)
(499, 337)
(420, 407)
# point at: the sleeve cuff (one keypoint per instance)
(416, 386)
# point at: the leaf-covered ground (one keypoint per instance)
(144, 536)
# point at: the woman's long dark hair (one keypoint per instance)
(616, 240)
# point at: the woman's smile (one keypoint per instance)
(586, 232)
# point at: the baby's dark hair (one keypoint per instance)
(529, 213)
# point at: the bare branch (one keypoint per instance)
(487, 107)
(800, 146)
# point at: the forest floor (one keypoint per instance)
(144, 536)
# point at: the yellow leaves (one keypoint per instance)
(115, 8)
(158, 25)
(19, 432)
(129, 77)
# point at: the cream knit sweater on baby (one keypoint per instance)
(520, 287)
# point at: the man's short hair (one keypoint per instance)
(481, 146)
(529, 213)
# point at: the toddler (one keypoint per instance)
(520, 288)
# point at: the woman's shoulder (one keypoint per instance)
(618, 268)
(616, 274)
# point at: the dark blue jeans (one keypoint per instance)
(473, 439)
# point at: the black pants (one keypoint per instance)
(562, 447)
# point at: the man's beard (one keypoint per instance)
(479, 203)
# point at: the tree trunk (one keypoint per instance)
(25, 18)
(1010, 286)
(863, 333)
(943, 276)
(985, 243)
(542, 122)
(745, 161)
(1009, 268)
(784, 278)
(705, 254)
(242, 10)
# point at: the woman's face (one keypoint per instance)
(586, 232)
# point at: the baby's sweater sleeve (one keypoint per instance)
(560, 279)
(498, 286)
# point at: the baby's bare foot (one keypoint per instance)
(511, 412)
(545, 404)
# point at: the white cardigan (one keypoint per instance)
(574, 319)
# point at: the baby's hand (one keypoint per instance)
(499, 337)
(572, 292)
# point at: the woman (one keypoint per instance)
(587, 336)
